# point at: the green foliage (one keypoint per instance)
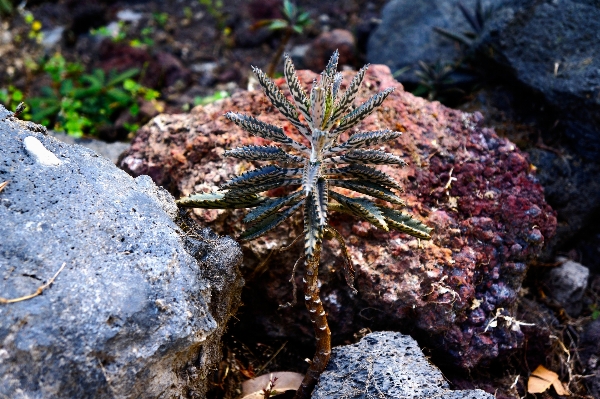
(161, 18)
(35, 26)
(11, 97)
(118, 35)
(79, 103)
(219, 95)
(215, 10)
(6, 7)
(293, 18)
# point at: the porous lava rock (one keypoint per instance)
(476, 189)
(386, 362)
(140, 305)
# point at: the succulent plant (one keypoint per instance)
(312, 172)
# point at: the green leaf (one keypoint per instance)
(277, 24)
(128, 74)
(119, 96)
(289, 9)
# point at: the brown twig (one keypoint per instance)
(37, 292)
(3, 184)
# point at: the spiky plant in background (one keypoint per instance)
(315, 172)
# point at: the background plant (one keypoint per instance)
(79, 102)
(313, 174)
(294, 21)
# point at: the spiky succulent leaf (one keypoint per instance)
(374, 157)
(362, 208)
(271, 206)
(317, 106)
(321, 198)
(365, 139)
(313, 232)
(337, 82)
(366, 187)
(264, 130)
(220, 200)
(364, 110)
(365, 173)
(405, 223)
(260, 176)
(346, 101)
(278, 99)
(263, 153)
(298, 94)
(268, 223)
(245, 191)
(312, 171)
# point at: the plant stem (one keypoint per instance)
(284, 40)
(319, 320)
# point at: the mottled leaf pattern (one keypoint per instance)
(366, 173)
(269, 223)
(345, 103)
(321, 197)
(264, 130)
(279, 101)
(298, 94)
(405, 223)
(317, 106)
(313, 232)
(362, 208)
(263, 175)
(271, 206)
(366, 187)
(365, 139)
(374, 157)
(220, 201)
(263, 153)
(364, 110)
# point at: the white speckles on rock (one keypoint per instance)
(37, 150)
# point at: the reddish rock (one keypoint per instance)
(325, 44)
(476, 189)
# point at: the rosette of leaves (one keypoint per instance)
(314, 174)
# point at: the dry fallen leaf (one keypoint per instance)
(541, 379)
(286, 381)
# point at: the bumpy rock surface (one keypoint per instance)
(551, 47)
(138, 310)
(567, 283)
(385, 365)
(406, 34)
(477, 190)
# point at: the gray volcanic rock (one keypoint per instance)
(138, 310)
(406, 35)
(385, 365)
(551, 47)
